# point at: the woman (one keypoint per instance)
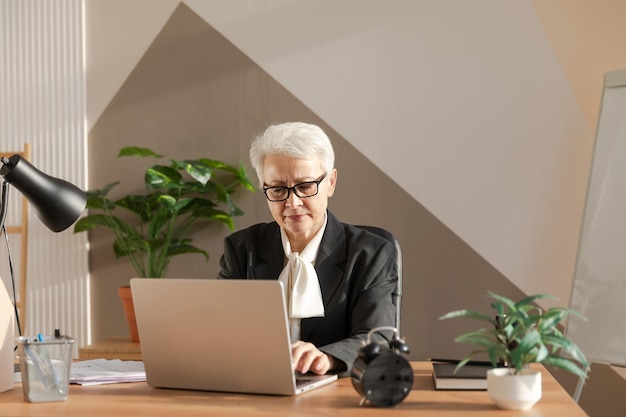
(338, 278)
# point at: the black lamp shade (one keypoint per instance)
(56, 202)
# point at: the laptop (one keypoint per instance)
(217, 335)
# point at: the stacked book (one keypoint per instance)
(471, 376)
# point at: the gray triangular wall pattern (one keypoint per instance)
(193, 94)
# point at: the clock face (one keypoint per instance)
(385, 380)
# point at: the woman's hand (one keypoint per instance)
(307, 358)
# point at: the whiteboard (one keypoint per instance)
(599, 288)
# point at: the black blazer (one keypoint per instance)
(357, 273)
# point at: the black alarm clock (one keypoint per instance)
(381, 374)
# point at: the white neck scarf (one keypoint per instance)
(301, 284)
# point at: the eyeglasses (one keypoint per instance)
(302, 190)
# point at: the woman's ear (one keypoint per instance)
(332, 182)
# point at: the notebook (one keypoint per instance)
(217, 335)
(468, 377)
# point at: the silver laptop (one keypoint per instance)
(217, 335)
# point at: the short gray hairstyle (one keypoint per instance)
(294, 139)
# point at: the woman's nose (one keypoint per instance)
(293, 200)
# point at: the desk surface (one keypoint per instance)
(340, 399)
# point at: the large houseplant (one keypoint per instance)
(518, 334)
(158, 221)
(178, 196)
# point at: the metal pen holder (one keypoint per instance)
(45, 364)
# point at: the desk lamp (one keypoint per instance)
(58, 204)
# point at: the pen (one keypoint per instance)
(43, 364)
(457, 361)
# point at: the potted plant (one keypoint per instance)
(518, 334)
(179, 195)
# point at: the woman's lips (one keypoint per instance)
(295, 217)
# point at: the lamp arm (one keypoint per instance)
(5, 196)
(3, 215)
(3, 204)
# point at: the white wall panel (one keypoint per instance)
(42, 101)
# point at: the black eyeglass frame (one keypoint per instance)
(294, 189)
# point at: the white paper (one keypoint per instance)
(106, 371)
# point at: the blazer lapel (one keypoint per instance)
(269, 262)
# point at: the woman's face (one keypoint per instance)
(301, 218)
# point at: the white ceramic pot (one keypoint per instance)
(514, 392)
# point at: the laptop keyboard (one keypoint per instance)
(303, 381)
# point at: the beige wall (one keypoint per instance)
(586, 37)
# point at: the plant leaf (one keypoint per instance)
(181, 248)
(243, 178)
(568, 346)
(481, 337)
(470, 314)
(197, 170)
(504, 300)
(530, 300)
(159, 176)
(566, 364)
(137, 151)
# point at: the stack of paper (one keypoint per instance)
(105, 371)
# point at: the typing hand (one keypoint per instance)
(307, 358)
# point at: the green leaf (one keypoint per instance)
(470, 314)
(530, 300)
(194, 205)
(102, 191)
(128, 246)
(481, 337)
(495, 355)
(526, 345)
(542, 353)
(569, 347)
(552, 317)
(92, 221)
(217, 215)
(567, 365)
(197, 170)
(184, 248)
(243, 178)
(137, 151)
(504, 300)
(467, 358)
(170, 204)
(141, 205)
(159, 222)
(101, 203)
(219, 165)
(159, 176)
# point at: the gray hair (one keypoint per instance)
(294, 139)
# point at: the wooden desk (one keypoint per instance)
(339, 399)
(113, 348)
